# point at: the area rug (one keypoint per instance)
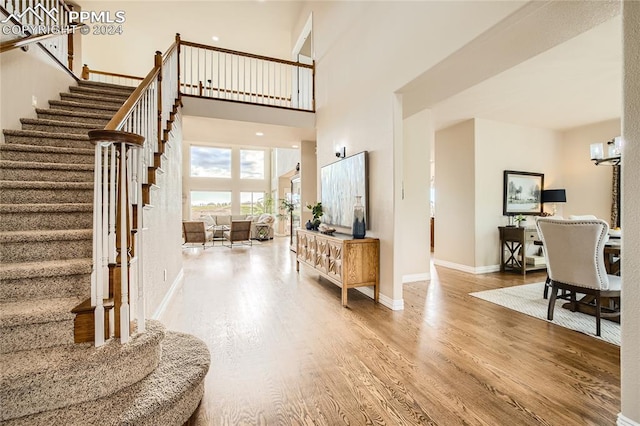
(528, 300)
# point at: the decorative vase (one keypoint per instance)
(359, 227)
(309, 225)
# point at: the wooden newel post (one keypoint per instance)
(158, 66)
(85, 72)
(120, 271)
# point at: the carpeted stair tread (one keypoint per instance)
(43, 138)
(95, 99)
(74, 374)
(8, 164)
(47, 135)
(10, 271)
(46, 149)
(106, 86)
(34, 184)
(98, 91)
(74, 115)
(56, 123)
(50, 235)
(168, 396)
(18, 313)
(78, 106)
(46, 208)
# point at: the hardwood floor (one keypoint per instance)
(284, 350)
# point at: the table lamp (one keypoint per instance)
(554, 196)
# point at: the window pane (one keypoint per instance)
(210, 162)
(251, 203)
(251, 164)
(209, 202)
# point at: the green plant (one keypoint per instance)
(519, 218)
(316, 211)
(287, 205)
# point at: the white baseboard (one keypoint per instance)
(168, 296)
(466, 268)
(412, 278)
(625, 421)
(393, 304)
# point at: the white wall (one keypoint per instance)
(630, 350)
(151, 26)
(500, 147)
(235, 185)
(163, 227)
(455, 195)
(470, 160)
(588, 187)
(359, 67)
(412, 248)
(28, 74)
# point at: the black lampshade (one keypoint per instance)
(554, 196)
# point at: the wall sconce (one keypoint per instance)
(341, 152)
(613, 154)
(554, 196)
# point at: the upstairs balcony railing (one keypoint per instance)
(216, 73)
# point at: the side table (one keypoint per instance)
(262, 231)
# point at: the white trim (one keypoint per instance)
(305, 32)
(487, 269)
(177, 283)
(625, 421)
(393, 304)
(412, 278)
(466, 268)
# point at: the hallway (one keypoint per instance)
(284, 351)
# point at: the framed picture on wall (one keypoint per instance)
(522, 193)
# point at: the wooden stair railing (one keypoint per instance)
(110, 77)
(129, 153)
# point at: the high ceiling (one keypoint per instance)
(576, 83)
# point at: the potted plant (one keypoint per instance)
(316, 211)
(519, 219)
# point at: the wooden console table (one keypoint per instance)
(341, 259)
(514, 242)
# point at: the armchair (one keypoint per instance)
(240, 231)
(574, 251)
(194, 232)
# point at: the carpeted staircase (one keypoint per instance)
(46, 195)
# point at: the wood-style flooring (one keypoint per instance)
(285, 352)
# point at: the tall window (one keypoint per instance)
(210, 202)
(210, 162)
(251, 164)
(252, 203)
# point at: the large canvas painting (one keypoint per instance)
(522, 193)
(341, 182)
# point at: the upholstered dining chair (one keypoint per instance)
(574, 252)
(195, 232)
(240, 232)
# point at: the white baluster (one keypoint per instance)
(112, 203)
(96, 272)
(124, 255)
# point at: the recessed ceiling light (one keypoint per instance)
(215, 38)
(294, 146)
(259, 134)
